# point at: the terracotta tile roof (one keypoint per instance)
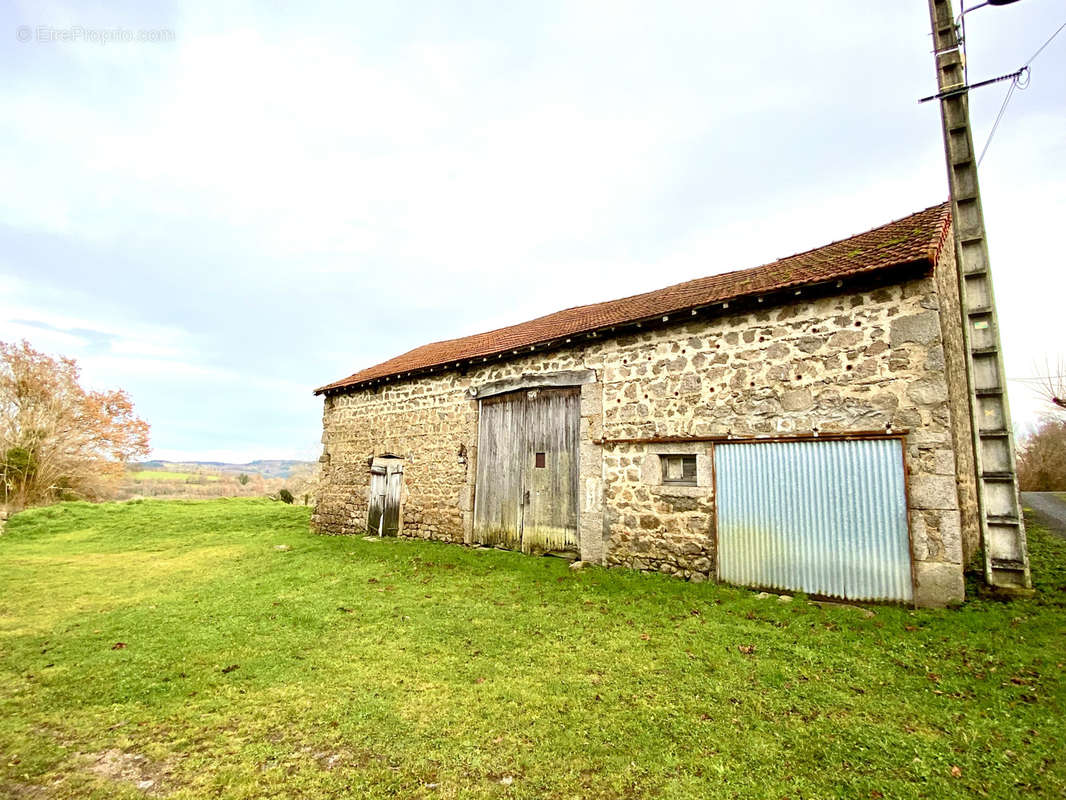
(912, 240)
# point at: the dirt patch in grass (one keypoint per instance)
(15, 790)
(137, 770)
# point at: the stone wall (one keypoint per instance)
(656, 526)
(854, 362)
(838, 364)
(430, 423)
(955, 360)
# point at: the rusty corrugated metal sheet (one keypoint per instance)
(827, 518)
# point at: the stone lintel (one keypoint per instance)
(535, 380)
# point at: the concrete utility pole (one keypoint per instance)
(1002, 525)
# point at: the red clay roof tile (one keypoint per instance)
(914, 239)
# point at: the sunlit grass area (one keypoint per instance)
(218, 648)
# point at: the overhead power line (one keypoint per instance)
(1020, 81)
(1014, 84)
(1045, 44)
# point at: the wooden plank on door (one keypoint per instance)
(376, 501)
(500, 471)
(552, 466)
(393, 488)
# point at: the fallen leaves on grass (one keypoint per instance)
(230, 668)
(746, 649)
(118, 646)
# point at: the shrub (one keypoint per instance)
(1042, 458)
(285, 496)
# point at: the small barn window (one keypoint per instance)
(679, 470)
(540, 460)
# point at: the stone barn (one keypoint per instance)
(799, 426)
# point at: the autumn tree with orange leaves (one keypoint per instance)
(57, 440)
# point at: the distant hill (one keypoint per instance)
(268, 468)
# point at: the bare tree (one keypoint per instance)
(58, 440)
(1042, 457)
(1051, 383)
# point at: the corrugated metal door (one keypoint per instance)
(827, 518)
(527, 470)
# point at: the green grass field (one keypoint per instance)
(165, 475)
(170, 649)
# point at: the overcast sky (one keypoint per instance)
(274, 199)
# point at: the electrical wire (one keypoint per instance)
(999, 118)
(1045, 44)
(1020, 82)
(962, 42)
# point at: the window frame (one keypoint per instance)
(685, 480)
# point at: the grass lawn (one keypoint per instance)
(169, 648)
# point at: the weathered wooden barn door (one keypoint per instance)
(527, 476)
(499, 490)
(386, 485)
(550, 522)
(824, 517)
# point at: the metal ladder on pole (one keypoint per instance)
(1002, 525)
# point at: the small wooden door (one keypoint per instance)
(386, 484)
(527, 476)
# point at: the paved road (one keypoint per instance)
(1049, 509)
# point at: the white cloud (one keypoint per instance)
(41, 338)
(261, 192)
